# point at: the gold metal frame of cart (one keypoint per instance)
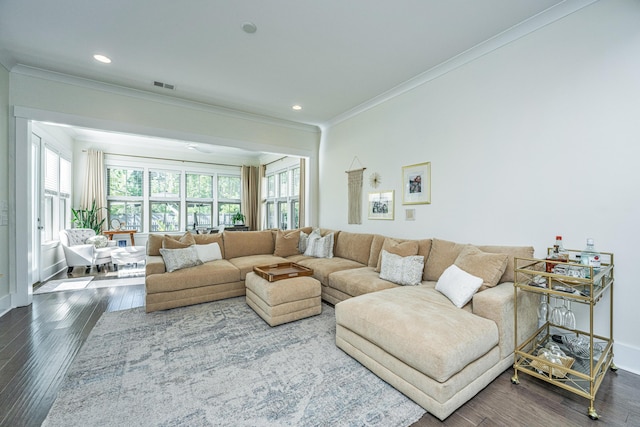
(585, 384)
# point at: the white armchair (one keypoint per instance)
(79, 253)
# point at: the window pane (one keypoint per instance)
(199, 215)
(295, 183)
(128, 213)
(295, 216)
(199, 186)
(271, 215)
(51, 167)
(124, 182)
(229, 187)
(283, 212)
(284, 180)
(65, 177)
(271, 186)
(164, 184)
(226, 211)
(165, 216)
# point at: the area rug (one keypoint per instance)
(219, 364)
(64, 285)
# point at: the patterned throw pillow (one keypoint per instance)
(176, 259)
(319, 247)
(97, 241)
(401, 270)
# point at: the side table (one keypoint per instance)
(110, 233)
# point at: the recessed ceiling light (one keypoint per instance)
(249, 27)
(102, 58)
(297, 107)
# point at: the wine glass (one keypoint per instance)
(543, 309)
(557, 314)
(569, 319)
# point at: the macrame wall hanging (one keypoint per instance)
(355, 192)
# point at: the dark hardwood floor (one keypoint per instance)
(38, 344)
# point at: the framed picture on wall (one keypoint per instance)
(381, 205)
(416, 184)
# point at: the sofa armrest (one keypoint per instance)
(497, 304)
(154, 265)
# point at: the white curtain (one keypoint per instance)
(94, 185)
(355, 196)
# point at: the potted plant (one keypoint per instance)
(237, 218)
(88, 218)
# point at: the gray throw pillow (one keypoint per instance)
(176, 259)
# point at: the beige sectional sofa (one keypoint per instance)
(413, 337)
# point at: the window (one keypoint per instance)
(164, 200)
(282, 209)
(271, 215)
(150, 199)
(199, 200)
(125, 196)
(228, 198)
(57, 193)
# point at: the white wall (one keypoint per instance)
(5, 300)
(537, 138)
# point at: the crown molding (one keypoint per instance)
(510, 35)
(154, 97)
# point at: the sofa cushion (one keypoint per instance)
(512, 252)
(245, 243)
(323, 267)
(177, 259)
(354, 246)
(402, 270)
(154, 265)
(358, 281)
(489, 267)
(434, 339)
(207, 239)
(443, 254)
(458, 285)
(204, 275)
(154, 243)
(374, 251)
(246, 263)
(398, 247)
(286, 243)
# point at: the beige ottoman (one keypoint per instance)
(284, 300)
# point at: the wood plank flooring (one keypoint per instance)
(38, 344)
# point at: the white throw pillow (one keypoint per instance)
(319, 247)
(98, 241)
(458, 285)
(176, 259)
(209, 252)
(401, 270)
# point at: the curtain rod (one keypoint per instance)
(164, 158)
(276, 160)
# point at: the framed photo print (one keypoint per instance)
(416, 184)
(381, 205)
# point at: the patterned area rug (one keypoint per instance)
(220, 364)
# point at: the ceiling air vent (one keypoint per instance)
(163, 85)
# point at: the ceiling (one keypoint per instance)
(331, 57)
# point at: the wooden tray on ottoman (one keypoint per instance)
(284, 270)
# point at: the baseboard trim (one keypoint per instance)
(5, 305)
(626, 357)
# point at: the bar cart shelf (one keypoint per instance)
(588, 356)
